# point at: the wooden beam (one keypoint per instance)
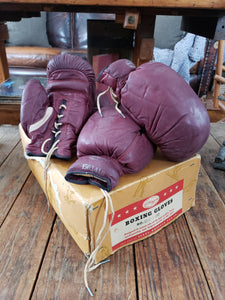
(222, 106)
(144, 41)
(219, 65)
(216, 4)
(219, 78)
(4, 71)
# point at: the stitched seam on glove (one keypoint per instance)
(129, 147)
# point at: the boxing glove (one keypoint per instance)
(37, 117)
(108, 147)
(53, 118)
(160, 101)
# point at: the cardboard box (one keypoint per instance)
(144, 202)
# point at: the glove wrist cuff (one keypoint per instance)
(101, 171)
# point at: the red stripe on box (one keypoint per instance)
(138, 207)
(146, 233)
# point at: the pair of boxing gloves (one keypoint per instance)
(155, 106)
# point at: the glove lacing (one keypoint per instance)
(114, 98)
(90, 264)
(53, 148)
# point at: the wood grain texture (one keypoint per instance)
(23, 238)
(4, 35)
(218, 132)
(10, 113)
(207, 226)
(168, 267)
(9, 137)
(208, 154)
(206, 219)
(40, 260)
(216, 4)
(4, 71)
(61, 275)
(13, 174)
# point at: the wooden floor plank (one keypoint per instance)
(168, 266)
(217, 130)
(186, 260)
(23, 237)
(13, 174)
(9, 137)
(61, 275)
(208, 154)
(207, 225)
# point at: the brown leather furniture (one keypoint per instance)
(63, 34)
(67, 32)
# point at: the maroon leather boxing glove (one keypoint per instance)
(37, 117)
(53, 118)
(160, 100)
(107, 148)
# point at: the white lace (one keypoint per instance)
(114, 98)
(53, 148)
(90, 264)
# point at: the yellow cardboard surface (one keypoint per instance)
(144, 202)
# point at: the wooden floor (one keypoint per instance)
(39, 259)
